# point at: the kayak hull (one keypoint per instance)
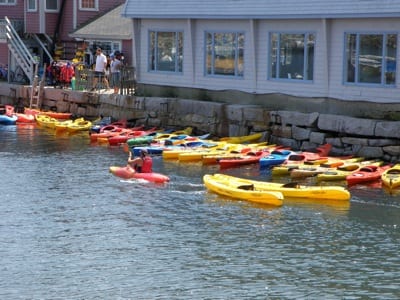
(391, 177)
(127, 173)
(337, 193)
(222, 187)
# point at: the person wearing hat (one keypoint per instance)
(141, 164)
(115, 67)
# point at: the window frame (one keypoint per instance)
(306, 53)
(347, 57)
(95, 8)
(34, 2)
(153, 57)
(46, 9)
(238, 67)
(9, 2)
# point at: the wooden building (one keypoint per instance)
(345, 50)
(46, 29)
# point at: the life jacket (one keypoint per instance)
(147, 166)
(67, 72)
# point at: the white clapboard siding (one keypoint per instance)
(329, 50)
(259, 8)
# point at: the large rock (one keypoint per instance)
(349, 125)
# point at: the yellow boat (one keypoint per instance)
(169, 154)
(391, 177)
(291, 190)
(233, 151)
(330, 165)
(46, 121)
(343, 171)
(222, 186)
(84, 125)
(251, 138)
(312, 168)
(62, 126)
(196, 155)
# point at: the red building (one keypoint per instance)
(46, 31)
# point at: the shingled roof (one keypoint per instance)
(110, 26)
(260, 9)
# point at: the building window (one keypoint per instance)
(52, 5)
(7, 2)
(292, 56)
(166, 51)
(225, 54)
(89, 4)
(371, 58)
(32, 5)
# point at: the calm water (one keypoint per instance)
(70, 230)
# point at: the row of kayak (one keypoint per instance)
(272, 193)
(8, 116)
(70, 126)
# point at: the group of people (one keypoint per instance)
(101, 68)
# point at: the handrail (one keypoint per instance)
(19, 50)
(43, 47)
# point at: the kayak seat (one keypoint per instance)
(247, 187)
(368, 169)
(394, 171)
(294, 185)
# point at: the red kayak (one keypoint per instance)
(52, 114)
(126, 135)
(25, 118)
(250, 157)
(366, 174)
(127, 173)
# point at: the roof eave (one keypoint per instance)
(280, 17)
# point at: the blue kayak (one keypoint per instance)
(276, 157)
(8, 120)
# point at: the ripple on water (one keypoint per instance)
(70, 230)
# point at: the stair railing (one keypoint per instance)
(19, 51)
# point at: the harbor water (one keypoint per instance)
(71, 230)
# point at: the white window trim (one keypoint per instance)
(305, 58)
(52, 10)
(357, 81)
(96, 6)
(9, 2)
(176, 71)
(31, 9)
(238, 74)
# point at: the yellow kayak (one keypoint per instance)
(176, 153)
(83, 125)
(62, 126)
(46, 121)
(343, 171)
(312, 168)
(292, 190)
(391, 177)
(251, 138)
(224, 187)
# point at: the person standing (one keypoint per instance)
(115, 67)
(100, 69)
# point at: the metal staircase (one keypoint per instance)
(19, 51)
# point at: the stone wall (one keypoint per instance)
(369, 138)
